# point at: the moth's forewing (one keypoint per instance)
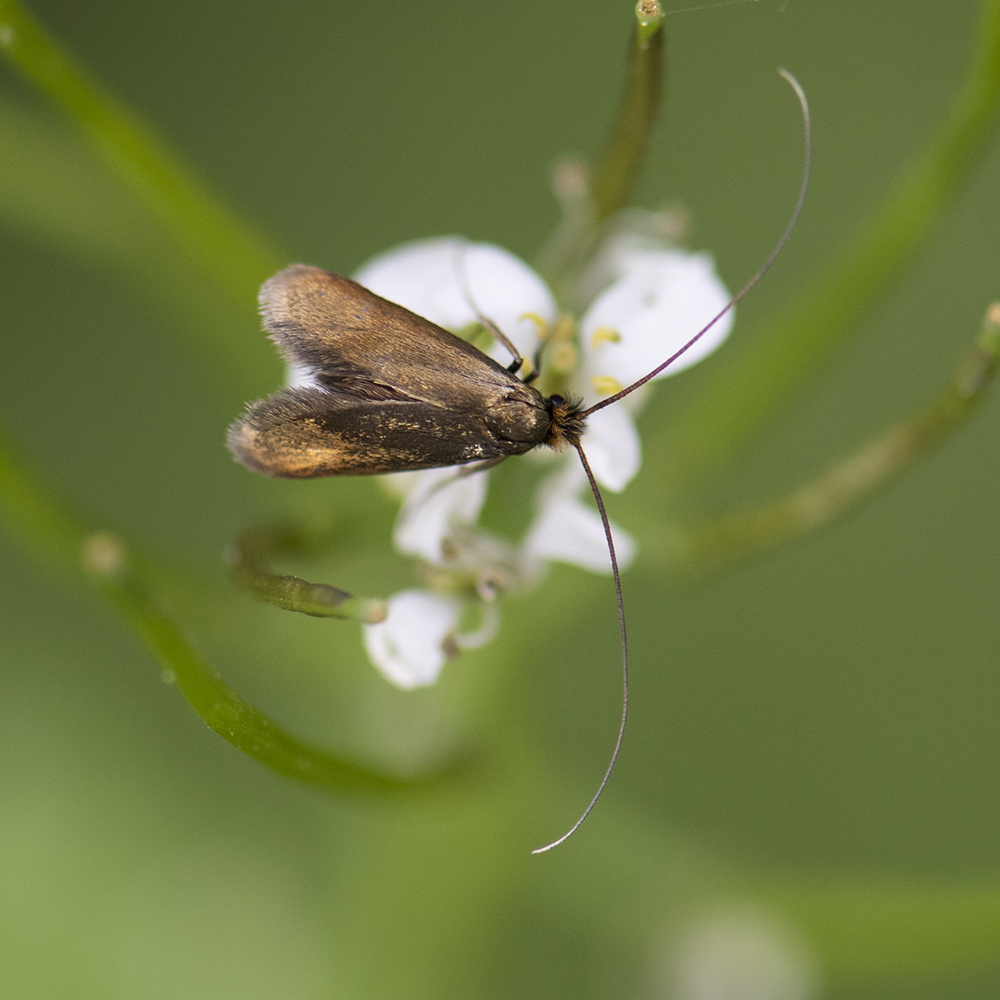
(342, 331)
(297, 434)
(386, 390)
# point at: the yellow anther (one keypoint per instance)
(605, 385)
(540, 324)
(605, 335)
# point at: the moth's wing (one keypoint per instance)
(307, 432)
(341, 333)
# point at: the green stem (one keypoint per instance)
(237, 257)
(632, 131)
(896, 931)
(587, 206)
(751, 381)
(853, 480)
(255, 547)
(65, 540)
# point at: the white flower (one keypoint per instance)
(612, 446)
(739, 953)
(454, 283)
(649, 302)
(420, 633)
(660, 300)
(409, 647)
(438, 501)
(566, 530)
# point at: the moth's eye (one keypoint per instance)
(556, 400)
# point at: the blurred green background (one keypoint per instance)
(813, 751)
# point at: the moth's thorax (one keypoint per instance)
(521, 417)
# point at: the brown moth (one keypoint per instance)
(390, 391)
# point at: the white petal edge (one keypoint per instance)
(612, 446)
(437, 501)
(662, 301)
(447, 279)
(408, 647)
(567, 530)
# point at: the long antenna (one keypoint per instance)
(621, 622)
(807, 132)
(807, 135)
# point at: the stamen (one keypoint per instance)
(605, 335)
(563, 327)
(605, 385)
(540, 324)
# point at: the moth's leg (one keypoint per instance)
(515, 366)
(471, 470)
(463, 473)
(249, 558)
(536, 362)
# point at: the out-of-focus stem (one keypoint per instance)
(589, 203)
(759, 373)
(248, 558)
(852, 480)
(632, 130)
(64, 539)
(238, 258)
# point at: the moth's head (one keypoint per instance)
(566, 424)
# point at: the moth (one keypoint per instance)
(390, 391)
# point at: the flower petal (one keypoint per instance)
(408, 648)
(612, 446)
(567, 530)
(662, 300)
(447, 279)
(437, 501)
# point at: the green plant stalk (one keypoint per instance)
(238, 260)
(896, 931)
(54, 189)
(589, 205)
(237, 257)
(68, 544)
(248, 560)
(616, 173)
(851, 481)
(761, 372)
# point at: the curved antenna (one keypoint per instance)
(621, 621)
(807, 135)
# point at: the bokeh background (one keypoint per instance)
(809, 794)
